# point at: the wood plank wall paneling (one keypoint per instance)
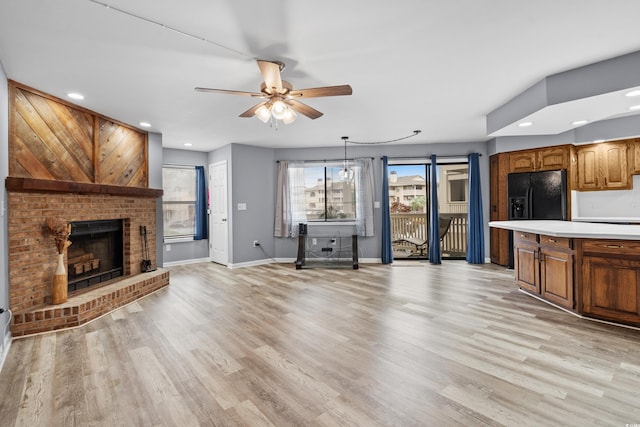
(55, 140)
(122, 156)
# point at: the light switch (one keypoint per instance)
(242, 206)
(376, 205)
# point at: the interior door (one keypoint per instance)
(218, 220)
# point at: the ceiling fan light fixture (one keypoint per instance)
(279, 110)
(289, 116)
(263, 114)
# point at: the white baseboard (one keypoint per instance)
(251, 263)
(260, 262)
(184, 262)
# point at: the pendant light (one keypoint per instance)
(346, 173)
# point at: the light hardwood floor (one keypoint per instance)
(401, 345)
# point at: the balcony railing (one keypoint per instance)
(412, 227)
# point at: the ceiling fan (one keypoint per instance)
(280, 99)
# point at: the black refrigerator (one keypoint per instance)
(536, 195)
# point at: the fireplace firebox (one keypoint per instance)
(96, 253)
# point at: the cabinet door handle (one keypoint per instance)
(524, 236)
(553, 240)
(614, 246)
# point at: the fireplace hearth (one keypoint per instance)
(96, 253)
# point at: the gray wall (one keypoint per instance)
(194, 249)
(155, 181)
(4, 172)
(254, 181)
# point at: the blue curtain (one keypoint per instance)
(435, 256)
(387, 250)
(475, 232)
(201, 205)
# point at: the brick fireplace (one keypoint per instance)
(32, 252)
(71, 163)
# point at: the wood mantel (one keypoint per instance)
(31, 185)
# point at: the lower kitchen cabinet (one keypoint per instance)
(525, 261)
(556, 277)
(611, 280)
(543, 265)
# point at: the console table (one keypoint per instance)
(324, 251)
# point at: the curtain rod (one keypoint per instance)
(325, 160)
(450, 156)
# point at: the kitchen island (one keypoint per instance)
(592, 269)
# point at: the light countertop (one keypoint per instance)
(575, 229)
(621, 220)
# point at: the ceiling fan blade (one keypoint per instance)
(321, 91)
(252, 111)
(304, 109)
(230, 92)
(271, 76)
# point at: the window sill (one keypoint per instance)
(168, 240)
(330, 223)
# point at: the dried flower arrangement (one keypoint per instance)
(60, 229)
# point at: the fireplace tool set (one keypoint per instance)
(146, 261)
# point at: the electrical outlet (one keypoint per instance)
(314, 241)
(256, 243)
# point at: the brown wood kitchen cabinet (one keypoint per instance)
(603, 166)
(540, 159)
(610, 279)
(635, 149)
(544, 265)
(498, 211)
(525, 261)
(556, 270)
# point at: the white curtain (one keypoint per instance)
(364, 197)
(290, 204)
(282, 227)
(297, 196)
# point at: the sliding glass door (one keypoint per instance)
(409, 204)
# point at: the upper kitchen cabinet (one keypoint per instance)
(522, 161)
(541, 159)
(603, 166)
(553, 158)
(635, 149)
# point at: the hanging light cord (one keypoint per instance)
(142, 18)
(346, 139)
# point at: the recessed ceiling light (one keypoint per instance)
(145, 124)
(188, 144)
(525, 124)
(579, 122)
(633, 93)
(634, 107)
(75, 95)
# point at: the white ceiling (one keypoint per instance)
(438, 66)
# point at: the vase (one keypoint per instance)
(60, 282)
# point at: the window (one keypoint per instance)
(179, 201)
(458, 190)
(297, 179)
(327, 197)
